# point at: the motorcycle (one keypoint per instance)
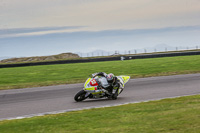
(94, 88)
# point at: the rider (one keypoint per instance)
(113, 82)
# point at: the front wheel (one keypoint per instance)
(80, 96)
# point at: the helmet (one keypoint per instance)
(110, 78)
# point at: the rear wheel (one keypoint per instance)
(80, 96)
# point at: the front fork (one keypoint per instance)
(87, 94)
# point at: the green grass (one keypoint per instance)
(21, 77)
(178, 115)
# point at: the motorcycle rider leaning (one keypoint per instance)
(113, 82)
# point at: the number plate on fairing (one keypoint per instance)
(93, 82)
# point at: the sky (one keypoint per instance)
(43, 27)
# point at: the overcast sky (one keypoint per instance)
(45, 27)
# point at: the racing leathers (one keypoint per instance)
(111, 87)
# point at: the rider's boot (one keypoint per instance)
(115, 92)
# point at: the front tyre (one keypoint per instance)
(80, 96)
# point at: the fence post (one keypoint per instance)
(145, 50)
(135, 51)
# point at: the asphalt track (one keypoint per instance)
(30, 102)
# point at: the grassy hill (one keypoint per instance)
(41, 58)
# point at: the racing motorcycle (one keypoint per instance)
(94, 88)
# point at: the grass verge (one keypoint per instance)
(34, 76)
(175, 115)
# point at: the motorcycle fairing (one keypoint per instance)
(88, 87)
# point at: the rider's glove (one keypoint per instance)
(94, 74)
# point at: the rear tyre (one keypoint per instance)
(80, 96)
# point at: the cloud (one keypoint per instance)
(86, 41)
(81, 25)
(71, 31)
(100, 14)
(35, 31)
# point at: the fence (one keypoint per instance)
(140, 56)
(137, 51)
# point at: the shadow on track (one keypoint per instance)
(100, 100)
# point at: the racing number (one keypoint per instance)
(93, 82)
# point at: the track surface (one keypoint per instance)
(21, 102)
